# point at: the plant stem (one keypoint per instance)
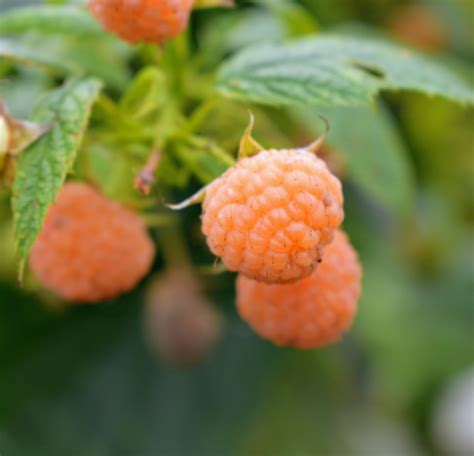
(172, 245)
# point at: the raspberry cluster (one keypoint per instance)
(274, 218)
(148, 21)
(90, 248)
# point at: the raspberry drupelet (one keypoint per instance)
(148, 21)
(90, 248)
(270, 215)
(309, 313)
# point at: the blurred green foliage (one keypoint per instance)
(81, 381)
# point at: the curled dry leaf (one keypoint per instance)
(15, 136)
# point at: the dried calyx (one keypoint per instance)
(15, 136)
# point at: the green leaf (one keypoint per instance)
(43, 166)
(36, 55)
(374, 156)
(332, 71)
(229, 33)
(103, 58)
(65, 39)
(68, 20)
(296, 20)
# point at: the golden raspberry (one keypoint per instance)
(312, 312)
(269, 216)
(149, 21)
(90, 248)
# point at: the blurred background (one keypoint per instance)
(89, 381)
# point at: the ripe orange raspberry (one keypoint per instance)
(419, 26)
(149, 21)
(269, 216)
(90, 248)
(312, 312)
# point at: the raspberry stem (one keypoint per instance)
(200, 114)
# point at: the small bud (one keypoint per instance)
(181, 326)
